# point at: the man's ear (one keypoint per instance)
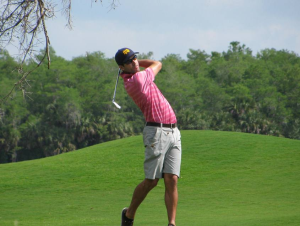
(121, 67)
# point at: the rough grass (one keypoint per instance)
(227, 178)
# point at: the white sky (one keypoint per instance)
(175, 26)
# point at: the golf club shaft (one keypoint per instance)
(116, 86)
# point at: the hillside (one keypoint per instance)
(228, 178)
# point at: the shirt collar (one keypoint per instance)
(125, 75)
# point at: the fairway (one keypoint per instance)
(228, 179)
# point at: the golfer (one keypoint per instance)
(162, 139)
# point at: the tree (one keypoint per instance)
(24, 21)
(71, 102)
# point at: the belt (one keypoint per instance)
(161, 124)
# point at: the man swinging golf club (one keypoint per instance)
(161, 136)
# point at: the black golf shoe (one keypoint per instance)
(124, 220)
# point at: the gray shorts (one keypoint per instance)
(162, 151)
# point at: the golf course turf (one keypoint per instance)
(227, 179)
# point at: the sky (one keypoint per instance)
(175, 26)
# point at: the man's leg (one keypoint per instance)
(171, 196)
(139, 195)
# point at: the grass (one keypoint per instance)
(227, 178)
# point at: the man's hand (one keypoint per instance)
(155, 65)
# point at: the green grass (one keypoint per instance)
(232, 179)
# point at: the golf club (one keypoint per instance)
(113, 100)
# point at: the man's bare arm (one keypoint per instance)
(155, 65)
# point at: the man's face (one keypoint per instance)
(131, 66)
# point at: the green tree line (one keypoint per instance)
(68, 106)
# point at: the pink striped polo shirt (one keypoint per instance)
(144, 92)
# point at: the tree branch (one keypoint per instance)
(24, 20)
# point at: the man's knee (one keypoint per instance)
(171, 179)
(149, 184)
